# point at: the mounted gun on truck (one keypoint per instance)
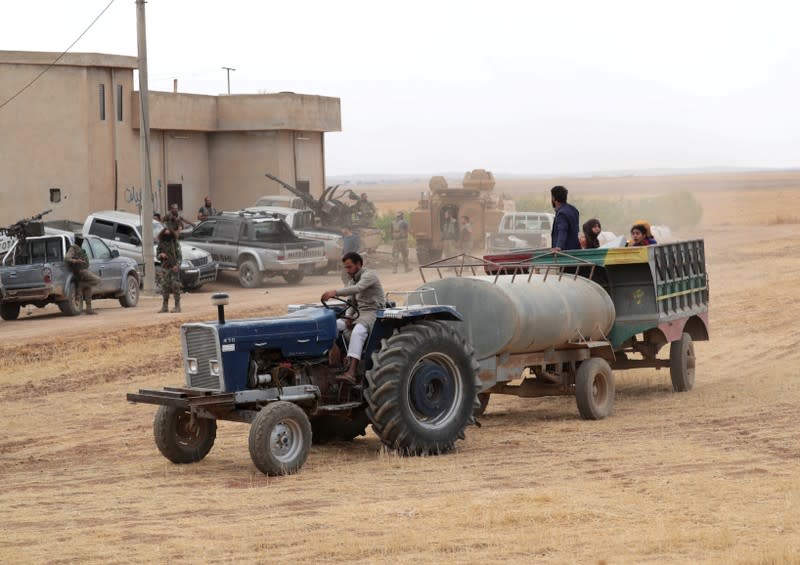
(334, 213)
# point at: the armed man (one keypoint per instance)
(78, 262)
(168, 253)
(399, 242)
(174, 220)
(364, 211)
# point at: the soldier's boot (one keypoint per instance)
(177, 308)
(164, 305)
(89, 310)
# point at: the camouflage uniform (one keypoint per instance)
(174, 223)
(364, 213)
(78, 262)
(449, 237)
(170, 280)
(399, 242)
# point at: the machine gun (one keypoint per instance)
(329, 207)
(26, 227)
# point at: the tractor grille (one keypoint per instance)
(199, 262)
(202, 344)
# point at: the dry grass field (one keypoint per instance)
(708, 476)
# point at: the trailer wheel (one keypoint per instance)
(280, 438)
(422, 389)
(682, 363)
(72, 305)
(179, 439)
(332, 428)
(483, 399)
(293, 277)
(249, 275)
(131, 296)
(9, 311)
(594, 389)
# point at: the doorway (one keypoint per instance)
(175, 195)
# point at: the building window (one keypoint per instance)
(119, 102)
(55, 195)
(102, 94)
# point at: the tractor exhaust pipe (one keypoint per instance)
(220, 299)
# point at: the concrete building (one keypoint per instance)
(70, 141)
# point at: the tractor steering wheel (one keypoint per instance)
(341, 314)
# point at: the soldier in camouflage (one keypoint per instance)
(78, 262)
(168, 253)
(174, 221)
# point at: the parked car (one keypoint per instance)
(257, 246)
(302, 222)
(521, 230)
(34, 272)
(124, 229)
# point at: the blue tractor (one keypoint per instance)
(418, 387)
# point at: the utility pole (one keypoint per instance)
(144, 157)
(229, 69)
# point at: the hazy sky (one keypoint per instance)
(516, 87)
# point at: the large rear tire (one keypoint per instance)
(422, 389)
(280, 437)
(249, 275)
(594, 389)
(179, 439)
(9, 311)
(131, 296)
(72, 305)
(681, 363)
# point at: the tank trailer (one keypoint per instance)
(556, 324)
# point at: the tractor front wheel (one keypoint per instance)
(181, 438)
(422, 389)
(280, 437)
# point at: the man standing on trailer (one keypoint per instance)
(564, 235)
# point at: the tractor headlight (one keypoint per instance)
(191, 366)
(213, 365)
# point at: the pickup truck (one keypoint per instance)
(521, 230)
(257, 246)
(124, 231)
(33, 272)
(302, 222)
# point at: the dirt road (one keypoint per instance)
(709, 476)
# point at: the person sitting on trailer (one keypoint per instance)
(639, 236)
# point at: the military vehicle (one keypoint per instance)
(475, 198)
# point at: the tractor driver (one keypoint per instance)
(367, 292)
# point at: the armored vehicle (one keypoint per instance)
(475, 199)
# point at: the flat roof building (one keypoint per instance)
(70, 141)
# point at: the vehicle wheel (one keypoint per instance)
(681, 363)
(332, 428)
(9, 311)
(422, 389)
(249, 275)
(594, 389)
(483, 399)
(280, 438)
(131, 296)
(293, 277)
(179, 439)
(72, 305)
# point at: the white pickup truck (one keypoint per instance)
(521, 230)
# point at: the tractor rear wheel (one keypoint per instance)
(422, 389)
(681, 363)
(594, 389)
(280, 437)
(180, 439)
